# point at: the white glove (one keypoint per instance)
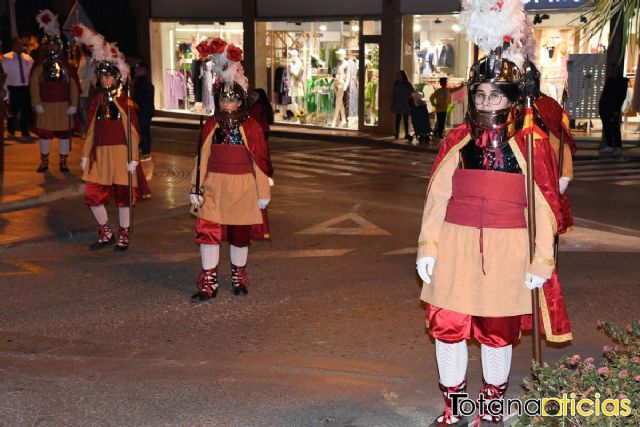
(425, 266)
(83, 163)
(564, 183)
(271, 182)
(131, 167)
(262, 203)
(532, 281)
(196, 199)
(39, 108)
(71, 110)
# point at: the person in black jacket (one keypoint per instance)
(143, 93)
(613, 94)
(402, 90)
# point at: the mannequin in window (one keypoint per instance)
(296, 85)
(340, 84)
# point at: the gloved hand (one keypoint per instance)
(83, 163)
(71, 110)
(39, 108)
(131, 167)
(196, 200)
(262, 203)
(425, 266)
(532, 281)
(564, 183)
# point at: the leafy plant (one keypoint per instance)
(616, 377)
(625, 13)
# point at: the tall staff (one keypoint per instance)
(531, 213)
(196, 190)
(129, 156)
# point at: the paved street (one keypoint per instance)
(332, 332)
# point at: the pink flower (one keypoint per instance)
(586, 393)
(622, 396)
(636, 359)
(637, 378)
(599, 323)
(623, 374)
(575, 359)
(606, 348)
(604, 370)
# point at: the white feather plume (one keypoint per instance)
(489, 22)
(101, 50)
(48, 22)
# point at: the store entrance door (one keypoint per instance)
(368, 78)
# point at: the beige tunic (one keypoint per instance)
(230, 199)
(458, 282)
(111, 164)
(54, 117)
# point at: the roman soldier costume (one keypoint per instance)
(54, 87)
(230, 184)
(473, 250)
(109, 144)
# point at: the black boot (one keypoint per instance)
(44, 163)
(492, 393)
(239, 280)
(123, 240)
(447, 418)
(63, 163)
(105, 238)
(207, 285)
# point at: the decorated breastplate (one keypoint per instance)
(228, 131)
(53, 71)
(500, 159)
(108, 110)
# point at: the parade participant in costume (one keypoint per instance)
(230, 190)
(473, 250)
(105, 153)
(54, 89)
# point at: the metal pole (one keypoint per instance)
(129, 155)
(531, 218)
(198, 158)
(556, 240)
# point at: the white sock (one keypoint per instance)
(210, 255)
(45, 146)
(100, 213)
(123, 214)
(64, 145)
(239, 255)
(496, 364)
(452, 362)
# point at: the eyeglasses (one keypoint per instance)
(495, 98)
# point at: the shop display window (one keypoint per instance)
(310, 71)
(187, 81)
(435, 47)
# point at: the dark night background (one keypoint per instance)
(122, 21)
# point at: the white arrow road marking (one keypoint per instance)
(365, 227)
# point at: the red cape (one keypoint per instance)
(550, 113)
(554, 321)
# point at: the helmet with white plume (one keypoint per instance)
(108, 59)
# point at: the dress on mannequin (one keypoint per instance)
(296, 85)
(340, 84)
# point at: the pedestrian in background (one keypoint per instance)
(402, 90)
(261, 111)
(143, 94)
(17, 66)
(440, 99)
(613, 95)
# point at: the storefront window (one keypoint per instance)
(187, 81)
(310, 70)
(371, 79)
(435, 47)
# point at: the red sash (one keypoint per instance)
(54, 91)
(230, 159)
